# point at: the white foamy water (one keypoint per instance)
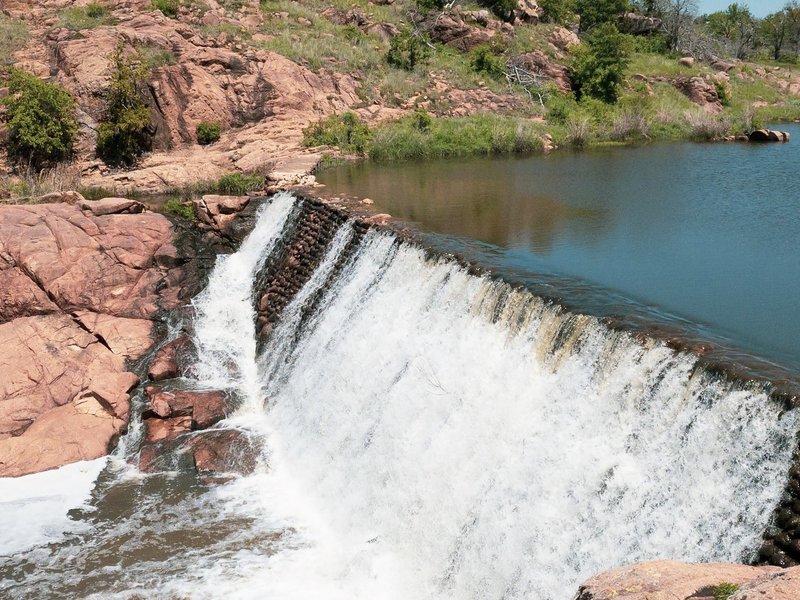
(435, 435)
(33, 508)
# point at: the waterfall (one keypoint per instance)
(444, 435)
(430, 434)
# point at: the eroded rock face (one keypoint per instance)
(452, 30)
(669, 579)
(79, 286)
(700, 91)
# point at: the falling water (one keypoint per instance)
(434, 434)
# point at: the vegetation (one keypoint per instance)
(238, 184)
(207, 133)
(598, 67)
(85, 17)
(407, 50)
(41, 121)
(168, 7)
(179, 208)
(724, 590)
(126, 130)
(346, 132)
(13, 36)
(483, 60)
(153, 57)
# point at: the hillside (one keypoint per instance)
(265, 71)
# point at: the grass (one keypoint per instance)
(179, 208)
(85, 17)
(153, 57)
(13, 36)
(724, 590)
(485, 134)
(238, 184)
(168, 7)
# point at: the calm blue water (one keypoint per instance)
(702, 235)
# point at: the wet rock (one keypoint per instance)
(204, 408)
(166, 362)
(157, 429)
(224, 451)
(668, 579)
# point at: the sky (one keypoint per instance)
(760, 8)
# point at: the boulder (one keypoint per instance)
(538, 63)
(528, 11)
(20, 296)
(111, 206)
(204, 408)
(451, 30)
(156, 430)
(699, 91)
(128, 338)
(165, 364)
(219, 212)
(669, 579)
(224, 451)
(636, 24)
(686, 61)
(563, 39)
(768, 135)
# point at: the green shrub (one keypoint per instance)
(431, 5)
(407, 50)
(560, 12)
(13, 36)
(184, 210)
(594, 13)
(238, 184)
(502, 8)
(422, 121)
(724, 590)
(598, 66)
(41, 120)
(346, 132)
(125, 132)
(483, 60)
(85, 17)
(168, 7)
(207, 133)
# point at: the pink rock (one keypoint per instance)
(165, 363)
(205, 408)
(162, 429)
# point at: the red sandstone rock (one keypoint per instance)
(779, 585)
(111, 206)
(21, 297)
(165, 363)
(204, 408)
(219, 211)
(129, 338)
(699, 91)
(668, 580)
(162, 429)
(538, 63)
(224, 451)
(452, 30)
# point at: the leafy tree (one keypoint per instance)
(126, 130)
(737, 25)
(41, 120)
(557, 11)
(598, 66)
(781, 28)
(596, 12)
(406, 50)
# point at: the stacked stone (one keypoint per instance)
(781, 545)
(316, 227)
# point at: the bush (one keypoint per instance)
(175, 206)
(724, 590)
(238, 184)
(207, 133)
(422, 121)
(557, 11)
(431, 5)
(41, 120)
(346, 132)
(598, 66)
(483, 60)
(168, 7)
(594, 13)
(125, 132)
(407, 50)
(579, 131)
(85, 17)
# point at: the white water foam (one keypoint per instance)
(433, 435)
(33, 508)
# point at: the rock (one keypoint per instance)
(721, 65)
(451, 30)
(667, 580)
(563, 39)
(686, 61)
(84, 261)
(224, 451)
(528, 11)
(111, 206)
(162, 429)
(779, 585)
(699, 91)
(219, 211)
(165, 364)
(21, 297)
(538, 63)
(768, 135)
(69, 197)
(204, 409)
(636, 24)
(128, 338)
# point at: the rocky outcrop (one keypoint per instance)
(167, 362)
(451, 29)
(218, 212)
(700, 91)
(668, 580)
(768, 135)
(81, 285)
(538, 63)
(636, 24)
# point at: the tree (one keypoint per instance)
(126, 130)
(41, 120)
(737, 25)
(677, 17)
(557, 11)
(596, 12)
(773, 29)
(598, 66)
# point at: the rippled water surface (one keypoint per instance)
(706, 233)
